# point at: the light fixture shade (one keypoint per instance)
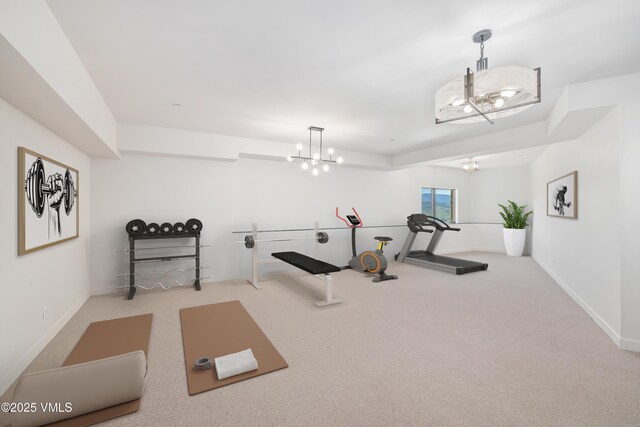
(317, 159)
(471, 166)
(487, 88)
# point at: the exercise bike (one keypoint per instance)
(367, 262)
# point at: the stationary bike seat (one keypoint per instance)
(383, 238)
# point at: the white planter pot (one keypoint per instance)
(514, 239)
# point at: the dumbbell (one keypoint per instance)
(166, 228)
(136, 227)
(37, 189)
(193, 225)
(153, 228)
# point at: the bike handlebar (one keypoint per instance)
(347, 222)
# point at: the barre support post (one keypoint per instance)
(254, 258)
(317, 243)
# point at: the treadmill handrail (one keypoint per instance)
(417, 221)
(417, 227)
(440, 224)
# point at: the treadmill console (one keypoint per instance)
(353, 219)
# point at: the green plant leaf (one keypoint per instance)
(514, 215)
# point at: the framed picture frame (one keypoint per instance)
(562, 196)
(48, 202)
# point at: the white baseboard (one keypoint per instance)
(595, 316)
(455, 251)
(14, 373)
(631, 345)
(106, 290)
(215, 279)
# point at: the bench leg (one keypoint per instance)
(328, 293)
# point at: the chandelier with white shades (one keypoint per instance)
(315, 161)
(487, 94)
(470, 166)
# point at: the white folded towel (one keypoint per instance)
(235, 364)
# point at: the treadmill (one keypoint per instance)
(417, 224)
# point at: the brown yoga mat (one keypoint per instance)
(217, 330)
(105, 339)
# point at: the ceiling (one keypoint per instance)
(366, 70)
(522, 158)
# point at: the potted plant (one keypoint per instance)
(515, 221)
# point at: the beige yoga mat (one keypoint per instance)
(217, 330)
(105, 339)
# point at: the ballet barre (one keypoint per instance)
(251, 241)
(286, 230)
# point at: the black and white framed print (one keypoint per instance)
(47, 202)
(562, 196)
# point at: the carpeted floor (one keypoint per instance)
(503, 347)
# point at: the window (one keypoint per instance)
(439, 202)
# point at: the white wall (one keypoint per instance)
(58, 276)
(487, 188)
(44, 77)
(583, 255)
(230, 196)
(157, 189)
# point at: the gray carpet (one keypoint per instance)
(503, 347)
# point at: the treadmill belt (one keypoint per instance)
(460, 266)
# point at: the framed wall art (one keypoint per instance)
(47, 202)
(562, 196)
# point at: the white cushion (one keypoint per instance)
(86, 386)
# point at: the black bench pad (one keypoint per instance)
(308, 264)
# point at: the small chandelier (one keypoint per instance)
(315, 161)
(471, 166)
(487, 94)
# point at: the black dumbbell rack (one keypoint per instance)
(133, 260)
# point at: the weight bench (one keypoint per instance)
(314, 267)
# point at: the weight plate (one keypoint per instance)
(36, 179)
(193, 226)
(28, 188)
(135, 227)
(166, 228)
(178, 227)
(153, 228)
(323, 237)
(69, 192)
(249, 241)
